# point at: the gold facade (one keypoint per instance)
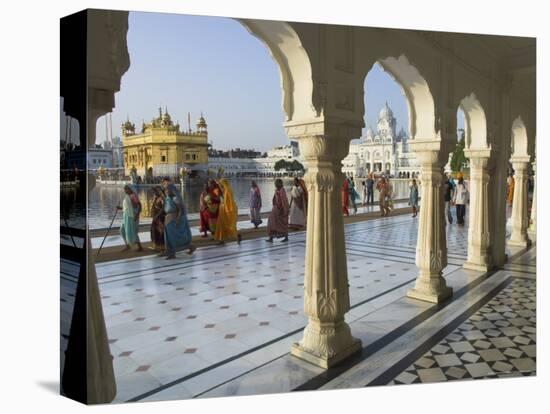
(162, 148)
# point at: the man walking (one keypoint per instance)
(448, 193)
(370, 189)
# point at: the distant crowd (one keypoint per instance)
(170, 230)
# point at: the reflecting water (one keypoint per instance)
(103, 199)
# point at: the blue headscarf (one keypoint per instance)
(175, 198)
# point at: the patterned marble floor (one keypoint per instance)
(498, 341)
(185, 328)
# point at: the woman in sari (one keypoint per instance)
(413, 197)
(277, 224)
(255, 203)
(510, 192)
(158, 215)
(226, 228)
(177, 234)
(131, 208)
(213, 200)
(203, 211)
(297, 218)
(345, 197)
(303, 185)
(382, 188)
(353, 195)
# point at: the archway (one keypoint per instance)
(425, 143)
(518, 188)
(477, 153)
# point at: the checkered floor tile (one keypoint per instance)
(497, 341)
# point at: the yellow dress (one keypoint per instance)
(226, 228)
(510, 195)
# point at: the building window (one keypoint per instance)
(187, 156)
(194, 156)
(163, 158)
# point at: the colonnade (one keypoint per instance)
(322, 74)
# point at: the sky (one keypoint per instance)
(194, 64)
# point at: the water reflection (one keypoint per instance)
(103, 199)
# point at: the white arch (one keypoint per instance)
(475, 123)
(294, 65)
(417, 95)
(519, 138)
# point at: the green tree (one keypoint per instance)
(458, 158)
(281, 165)
(296, 166)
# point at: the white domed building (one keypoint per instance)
(384, 151)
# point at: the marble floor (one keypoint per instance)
(221, 322)
(242, 223)
(498, 341)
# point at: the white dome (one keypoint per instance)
(385, 112)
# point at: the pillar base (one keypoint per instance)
(476, 266)
(431, 296)
(325, 344)
(324, 361)
(519, 243)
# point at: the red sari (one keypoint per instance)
(345, 197)
(277, 224)
(213, 201)
(204, 215)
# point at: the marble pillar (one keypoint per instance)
(327, 337)
(498, 173)
(479, 255)
(431, 246)
(532, 230)
(519, 219)
(101, 383)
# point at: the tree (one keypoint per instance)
(458, 159)
(294, 165)
(280, 165)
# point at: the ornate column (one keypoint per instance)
(327, 337)
(431, 246)
(519, 219)
(479, 255)
(533, 220)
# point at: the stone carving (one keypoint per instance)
(327, 338)
(319, 97)
(345, 98)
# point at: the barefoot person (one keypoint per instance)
(226, 228)
(277, 224)
(353, 196)
(177, 234)
(131, 209)
(158, 215)
(345, 197)
(255, 204)
(382, 196)
(413, 197)
(213, 200)
(297, 218)
(203, 211)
